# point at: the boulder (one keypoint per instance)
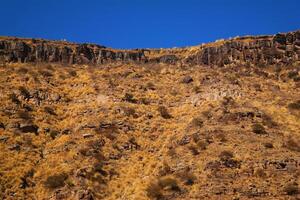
(187, 79)
(29, 128)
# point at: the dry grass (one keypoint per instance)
(113, 132)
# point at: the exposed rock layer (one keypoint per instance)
(259, 50)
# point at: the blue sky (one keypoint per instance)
(146, 23)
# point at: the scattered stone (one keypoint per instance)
(259, 129)
(87, 135)
(2, 126)
(187, 79)
(3, 138)
(14, 147)
(29, 128)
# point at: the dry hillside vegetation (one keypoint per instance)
(149, 131)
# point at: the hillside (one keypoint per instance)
(214, 121)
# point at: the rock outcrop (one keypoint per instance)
(259, 50)
(26, 50)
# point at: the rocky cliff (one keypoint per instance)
(31, 50)
(259, 50)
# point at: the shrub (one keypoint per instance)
(194, 149)
(291, 189)
(268, 121)
(222, 137)
(24, 92)
(172, 152)
(268, 145)
(291, 144)
(53, 134)
(130, 112)
(13, 97)
(154, 191)
(197, 89)
(168, 183)
(225, 155)
(196, 122)
(22, 70)
(164, 112)
(72, 73)
(129, 98)
(150, 86)
(202, 145)
(260, 173)
(50, 111)
(56, 181)
(165, 170)
(24, 115)
(292, 74)
(258, 129)
(294, 106)
(187, 177)
(45, 73)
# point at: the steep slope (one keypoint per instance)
(216, 121)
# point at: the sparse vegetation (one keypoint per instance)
(292, 144)
(295, 105)
(291, 189)
(258, 129)
(49, 110)
(164, 112)
(56, 181)
(133, 130)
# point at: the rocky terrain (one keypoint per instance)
(215, 121)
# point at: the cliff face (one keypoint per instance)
(25, 50)
(260, 50)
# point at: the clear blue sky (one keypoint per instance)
(146, 23)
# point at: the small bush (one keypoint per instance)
(202, 145)
(154, 191)
(291, 144)
(187, 177)
(22, 70)
(225, 155)
(56, 181)
(54, 134)
(172, 152)
(222, 137)
(50, 111)
(129, 112)
(196, 122)
(258, 129)
(150, 86)
(24, 92)
(291, 189)
(45, 73)
(24, 115)
(168, 183)
(292, 74)
(72, 73)
(260, 173)
(164, 112)
(268, 145)
(13, 97)
(294, 106)
(129, 98)
(165, 170)
(268, 121)
(193, 149)
(197, 89)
